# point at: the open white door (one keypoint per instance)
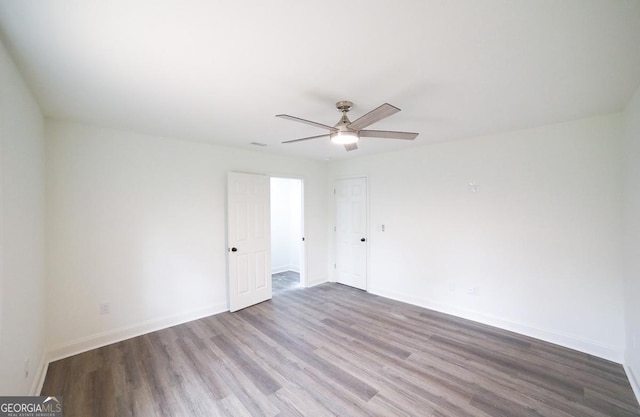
(248, 226)
(351, 232)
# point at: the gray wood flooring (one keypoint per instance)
(333, 350)
(285, 281)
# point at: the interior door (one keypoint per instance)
(351, 232)
(249, 240)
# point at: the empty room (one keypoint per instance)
(337, 208)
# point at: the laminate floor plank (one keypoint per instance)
(133, 403)
(296, 374)
(242, 386)
(202, 370)
(300, 402)
(333, 350)
(304, 351)
(508, 385)
(265, 382)
(476, 375)
(231, 406)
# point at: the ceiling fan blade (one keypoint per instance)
(387, 134)
(309, 138)
(305, 121)
(373, 116)
(351, 146)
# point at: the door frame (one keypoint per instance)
(334, 250)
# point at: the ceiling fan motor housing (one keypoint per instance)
(344, 106)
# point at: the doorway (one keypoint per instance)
(287, 235)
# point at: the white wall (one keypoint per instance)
(631, 236)
(139, 222)
(22, 276)
(540, 239)
(286, 224)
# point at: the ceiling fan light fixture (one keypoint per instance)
(345, 138)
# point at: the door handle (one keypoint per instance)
(234, 249)
(363, 240)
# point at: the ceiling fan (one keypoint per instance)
(348, 133)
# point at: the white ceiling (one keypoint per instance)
(218, 71)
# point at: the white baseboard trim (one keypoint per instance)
(609, 352)
(284, 268)
(635, 386)
(313, 284)
(83, 344)
(41, 372)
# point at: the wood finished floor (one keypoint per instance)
(285, 281)
(333, 350)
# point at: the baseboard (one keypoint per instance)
(609, 352)
(38, 380)
(313, 284)
(98, 340)
(284, 268)
(635, 386)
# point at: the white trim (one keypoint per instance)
(635, 386)
(38, 380)
(83, 344)
(313, 284)
(284, 268)
(609, 352)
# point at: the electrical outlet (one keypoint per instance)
(26, 368)
(105, 308)
(474, 291)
